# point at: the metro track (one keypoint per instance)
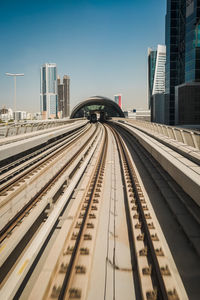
(6, 230)
(182, 198)
(181, 209)
(153, 270)
(91, 207)
(9, 171)
(74, 259)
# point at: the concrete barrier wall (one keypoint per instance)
(31, 126)
(182, 170)
(27, 141)
(188, 137)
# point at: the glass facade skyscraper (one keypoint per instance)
(192, 46)
(175, 53)
(48, 91)
(183, 61)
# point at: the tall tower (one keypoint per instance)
(63, 97)
(152, 54)
(192, 41)
(175, 48)
(48, 90)
(66, 83)
(60, 88)
(156, 71)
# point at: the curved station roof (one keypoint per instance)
(97, 104)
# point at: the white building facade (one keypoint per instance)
(156, 83)
(159, 78)
(48, 91)
(20, 115)
(156, 72)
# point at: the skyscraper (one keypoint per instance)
(183, 61)
(48, 90)
(156, 71)
(175, 53)
(152, 54)
(66, 83)
(64, 97)
(192, 41)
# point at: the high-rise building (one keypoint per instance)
(66, 83)
(175, 53)
(156, 71)
(192, 41)
(60, 89)
(118, 100)
(183, 61)
(64, 97)
(152, 54)
(48, 91)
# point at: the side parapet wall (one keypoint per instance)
(185, 172)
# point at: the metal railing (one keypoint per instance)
(13, 129)
(186, 136)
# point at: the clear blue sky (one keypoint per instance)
(101, 44)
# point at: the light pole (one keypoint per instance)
(14, 75)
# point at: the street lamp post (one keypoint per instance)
(15, 88)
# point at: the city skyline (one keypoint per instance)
(101, 45)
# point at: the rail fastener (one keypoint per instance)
(165, 271)
(87, 237)
(147, 270)
(143, 252)
(55, 291)
(74, 236)
(95, 201)
(151, 225)
(63, 268)
(78, 225)
(92, 216)
(80, 269)
(74, 293)
(90, 225)
(154, 237)
(151, 295)
(69, 250)
(84, 251)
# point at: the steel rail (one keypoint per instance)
(160, 289)
(98, 171)
(18, 217)
(33, 155)
(190, 206)
(33, 168)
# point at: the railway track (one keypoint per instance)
(54, 215)
(155, 276)
(6, 230)
(154, 272)
(182, 202)
(75, 259)
(12, 172)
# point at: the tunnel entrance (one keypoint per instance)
(97, 109)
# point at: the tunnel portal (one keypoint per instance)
(97, 108)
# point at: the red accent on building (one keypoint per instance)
(120, 101)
